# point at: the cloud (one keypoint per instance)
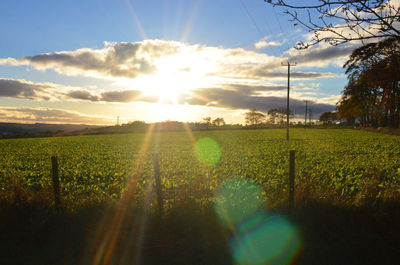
(123, 59)
(27, 90)
(252, 89)
(27, 114)
(238, 98)
(266, 72)
(216, 76)
(263, 44)
(19, 88)
(82, 95)
(321, 56)
(127, 96)
(133, 60)
(224, 95)
(118, 96)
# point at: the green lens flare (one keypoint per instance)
(259, 238)
(237, 200)
(207, 151)
(273, 240)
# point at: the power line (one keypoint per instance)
(255, 24)
(280, 25)
(277, 19)
(266, 23)
(251, 17)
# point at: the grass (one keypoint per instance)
(347, 196)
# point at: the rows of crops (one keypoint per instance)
(347, 166)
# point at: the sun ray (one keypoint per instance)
(189, 133)
(198, 96)
(108, 237)
(191, 20)
(136, 19)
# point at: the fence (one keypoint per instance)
(156, 167)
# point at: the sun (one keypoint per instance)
(177, 75)
(171, 80)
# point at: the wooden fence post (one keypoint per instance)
(158, 183)
(291, 178)
(56, 181)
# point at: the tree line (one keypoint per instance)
(274, 117)
(372, 94)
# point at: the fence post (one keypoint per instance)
(158, 183)
(56, 181)
(291, 178)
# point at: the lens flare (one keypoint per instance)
(258, 237)
(207, 151)
(237, 200)
(270, 240)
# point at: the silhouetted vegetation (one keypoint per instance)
(189, 233)
(26, 130)
(372, 95)
(328, 117)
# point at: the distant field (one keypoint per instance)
(345, 166)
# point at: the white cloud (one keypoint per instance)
(263, 44)
(333, 99)
(153, 58)
(123, 59)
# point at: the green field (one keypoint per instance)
(349, 167)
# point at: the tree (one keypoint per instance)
(218, 122)
(342, 21)
(328, 117)
(278, 116)
(254, 117)
(372, 94)
(273, 115)
(207, 121)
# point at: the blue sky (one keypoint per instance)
(194, 59)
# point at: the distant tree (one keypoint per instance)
(278, 116)
(254, 117)
(133, 126)
(207, 122)
(218, 122)
(328, 117)
(272, 114)
(60, 133)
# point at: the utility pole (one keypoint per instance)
(288, 64)
(305, 118)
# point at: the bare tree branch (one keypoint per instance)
(342, 21)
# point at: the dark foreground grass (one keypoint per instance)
(190, 234)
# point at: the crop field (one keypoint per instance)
(349, 167)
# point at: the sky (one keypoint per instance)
(92, 61)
